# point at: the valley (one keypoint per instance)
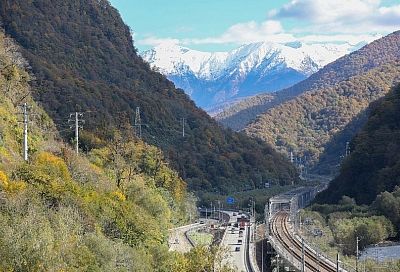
(222, 146)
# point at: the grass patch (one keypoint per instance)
(201, 238)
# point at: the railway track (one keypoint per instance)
(280, 230)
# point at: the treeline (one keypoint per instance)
(349, 222)
(83, 59)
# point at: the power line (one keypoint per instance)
(76, 118)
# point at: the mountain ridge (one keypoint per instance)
(306, 124)
(89, 212)
(219, 77)
(82, 55)
(373, 164)
(362, 60)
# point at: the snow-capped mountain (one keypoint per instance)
(220, 77)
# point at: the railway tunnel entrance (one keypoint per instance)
(290, 202)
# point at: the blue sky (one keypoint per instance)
(218, 25)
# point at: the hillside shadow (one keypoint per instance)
(330, 160)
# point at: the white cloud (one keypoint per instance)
(340, 38)
(245, 33)
(388, 16)
(328, 21)
(341, 16)
(323, 11)
(154, 41)
(273, 31)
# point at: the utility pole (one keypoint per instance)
(303, 261)
(76, 118)
(25, 112)
(347, 153)
(277, 262)
(262, 255)
(138, 123)
(337, 262)
(219, 210)
(254, 209)
(183, 122)
(357, 240)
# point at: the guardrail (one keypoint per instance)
(247, 254)
(252, 252)
(284, 254)
(182, 227)
(188, 238)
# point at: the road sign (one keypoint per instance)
(230, 200)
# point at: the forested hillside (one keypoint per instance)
(108, 210)
(374, 164)
(83, 59)
(359, 62)
(306, 124)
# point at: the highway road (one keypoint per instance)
(231, 242)
(177, 239)
(237, 255)
(280, 231)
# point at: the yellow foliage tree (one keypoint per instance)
(3, 179)
(53, 166)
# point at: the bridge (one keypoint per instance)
(281, 217)
(291, 202)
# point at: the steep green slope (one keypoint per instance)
(108, 210)
(82, 56)
(334, 151)
(374, 164)
(307, 123)
(361, 61)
